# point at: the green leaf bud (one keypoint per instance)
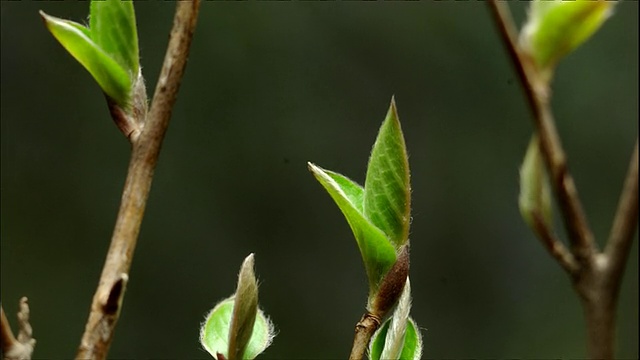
(236, 328)
(534, 199)
(554, 28)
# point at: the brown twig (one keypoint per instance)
(598, 275)
(22, 347)
(107, 301)
(365, 329)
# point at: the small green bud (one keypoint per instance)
(554, 28)
(236, 328)
(535, 191)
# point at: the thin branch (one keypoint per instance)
(365, 329)
(22, 347)
(600, 274)
(107, 301)
(537, 93)
(554, 246)
(624, 223)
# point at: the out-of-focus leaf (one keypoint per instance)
(535, 190)
(555, 28)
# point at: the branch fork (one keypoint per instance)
(596, 274)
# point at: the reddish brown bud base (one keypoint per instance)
(392, 285)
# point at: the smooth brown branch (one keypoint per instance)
(22, 347)
(107, 301)
(365, 329)
(624, 224)
(537, 92)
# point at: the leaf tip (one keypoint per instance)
(311, 166)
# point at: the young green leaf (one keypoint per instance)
(535, 191)
(387, 198)
(236, 328)
(377, 252)
(113, 27)
(554, 28)
(214, 334)
(110, 75)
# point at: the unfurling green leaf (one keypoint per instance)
(110, 75)
(554, 28)
(113, 27)
(108, 49)
(535, 192)
(236, 328)
(387, 197)
(377, 252)
(378, 214)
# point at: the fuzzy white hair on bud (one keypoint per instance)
(394, 341)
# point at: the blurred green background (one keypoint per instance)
(270, 86)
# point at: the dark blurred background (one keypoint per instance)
(270, 86)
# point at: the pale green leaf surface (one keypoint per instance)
(111, 77)
(85, 30)
(387, 190)
(352, 190)
(377, 252)
(214, 334)
(113, 27)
